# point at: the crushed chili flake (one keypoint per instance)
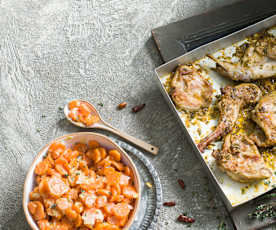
(138, 108)
(169, 204)
(185, 219)
(181, 183)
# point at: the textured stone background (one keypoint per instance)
(54, 50)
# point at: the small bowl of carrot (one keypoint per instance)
(81, 181)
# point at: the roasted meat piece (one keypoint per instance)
(232, 101)
(265, 116)
(257, 62)
(241, 159)
(190, 91)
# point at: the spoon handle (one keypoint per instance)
(148, 147)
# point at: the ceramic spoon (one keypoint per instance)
(101, 124)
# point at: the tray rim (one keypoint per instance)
(197, 54)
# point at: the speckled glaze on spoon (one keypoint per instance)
(101, 124)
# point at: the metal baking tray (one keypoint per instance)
(233, 193)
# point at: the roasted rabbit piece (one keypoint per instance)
(241, 159)
(258, 62)
(232, 101)
(190, 91)
(265, 116)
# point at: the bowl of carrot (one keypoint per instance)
(81, 181)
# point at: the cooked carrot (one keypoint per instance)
(93, 144)
(74, 104)
(91, 216)
(73, 114)
(70, 155)
(44, 225)
(101, 201)
(61, 170)
(124, 180)
(71, 214)
(95, 155)
(78, 221)
(41, 168)
(117, 221)
(121, 210)
(56, 187)
(119, 166)
(115, 154)
(130, 192)
(35, 195)
(56, 149)
(78, 207)
(127, 171)
(106, 226)
(63, 204)
(108, 208)
(84, 109)
(90, 120)
(88, 199)
(81, 147)
(103, 192)
(112, 176)
(37, 210)
(103, 152)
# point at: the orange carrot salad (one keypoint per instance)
(80, 112)
(83, 187)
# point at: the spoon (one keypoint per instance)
(101, 124)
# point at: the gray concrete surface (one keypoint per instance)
(55, 50)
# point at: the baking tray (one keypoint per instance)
(228, 189)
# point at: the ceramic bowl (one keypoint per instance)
(70, 140)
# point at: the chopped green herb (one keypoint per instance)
(100, 104)
(60, 108)
(222, 226)
(53, 205)
(66, 175)
(82, 190)
(43, 116)
(38, 130)
(267, 182)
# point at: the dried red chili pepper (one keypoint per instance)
(185, 219)
(181, 183)
(138, 108)
(169, 204)
(122, 105)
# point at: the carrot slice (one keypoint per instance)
(37, 210)
(74, 104)
(112, 176)
(119, 166)
(121, 210)
(108, 208)
(106, 226)
(90, 119)
(81, 147)
(117, 221)
(56, 187)
(63, 204)
(127, 171)
(61, 170)
(93, 144)
(124, 180)
(115, 154)
(44, 225)
(56, 149)
(84, 109)
(101, 201)
(88, 199)
(91, 216)
(78, 207)
(41, 168)
(71, 214)
(130, 192)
